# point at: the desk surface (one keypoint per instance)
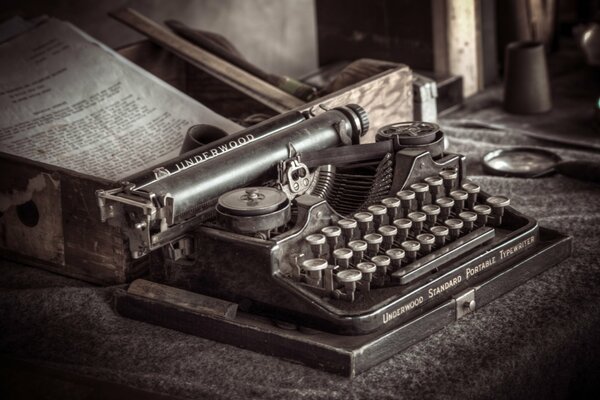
(540, 340)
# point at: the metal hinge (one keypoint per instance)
(465, 303)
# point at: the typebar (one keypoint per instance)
(443, 255)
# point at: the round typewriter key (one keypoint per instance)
(435, 186)
(358, 247)
(403, 225)
(407, 198)
(431, 211)
(417, 218)
(459, 197)
(392, 204)
(482, 211)
(378, 211)
(454, 225)
(382, 263)
(316, 242)
(440, 233)
(342, 257)
(332, 235)
(314, 264)
(396, 255)
(349, 277)
(348, 226)
(469, 218)
(389, 233)
(365, 220)
(446, 204)
(427, 240)
(368, 269)
(449, 175)
(498, 203)
(420, 189)
(473, 190)
(373, 240)
(314, 267)
(411, 247)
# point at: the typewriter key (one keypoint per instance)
(358, 247)
(392, 204)
(469, 218)
(449, 175)
(407, 198)
(482, 211)
(349, 277)
(378, 211)
(435, 186)
(403, 225)
(427, 240)
(314, 267)
(342, 257)
(316, 242)
(445, 203)
(498, 203)
(454, 226)
(332, 235)
(389, 233)
(367, 269)
(396, 255)
(472, 189)
(382, 263)
(431, 211)
(417, 218)
(348, 226)
(459, 197)
(440, 233)
(373, 240)
(365, 220)
(411, 247)
(420, 189)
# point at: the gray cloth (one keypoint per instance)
(538, 341)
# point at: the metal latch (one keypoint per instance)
(465, 303)
(183, 247)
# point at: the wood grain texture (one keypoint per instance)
(457, 41)
(387, 98)
(68, 237)
(194, 302)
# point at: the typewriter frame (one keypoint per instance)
(311, 332)
(340, 354)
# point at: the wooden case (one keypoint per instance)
(51, 217)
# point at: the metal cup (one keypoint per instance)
(526, 84)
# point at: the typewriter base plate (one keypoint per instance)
(345, 355)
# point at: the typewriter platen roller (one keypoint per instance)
(353, 239)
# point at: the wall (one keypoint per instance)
(277, 35)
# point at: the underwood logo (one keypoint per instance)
(213, 152)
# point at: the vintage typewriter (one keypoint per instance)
(294, 221)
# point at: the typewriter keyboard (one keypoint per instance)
(401, 238)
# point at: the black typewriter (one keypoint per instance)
(298, 223)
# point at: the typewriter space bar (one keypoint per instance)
(439, 257)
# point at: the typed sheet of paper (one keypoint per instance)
(69, 101)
